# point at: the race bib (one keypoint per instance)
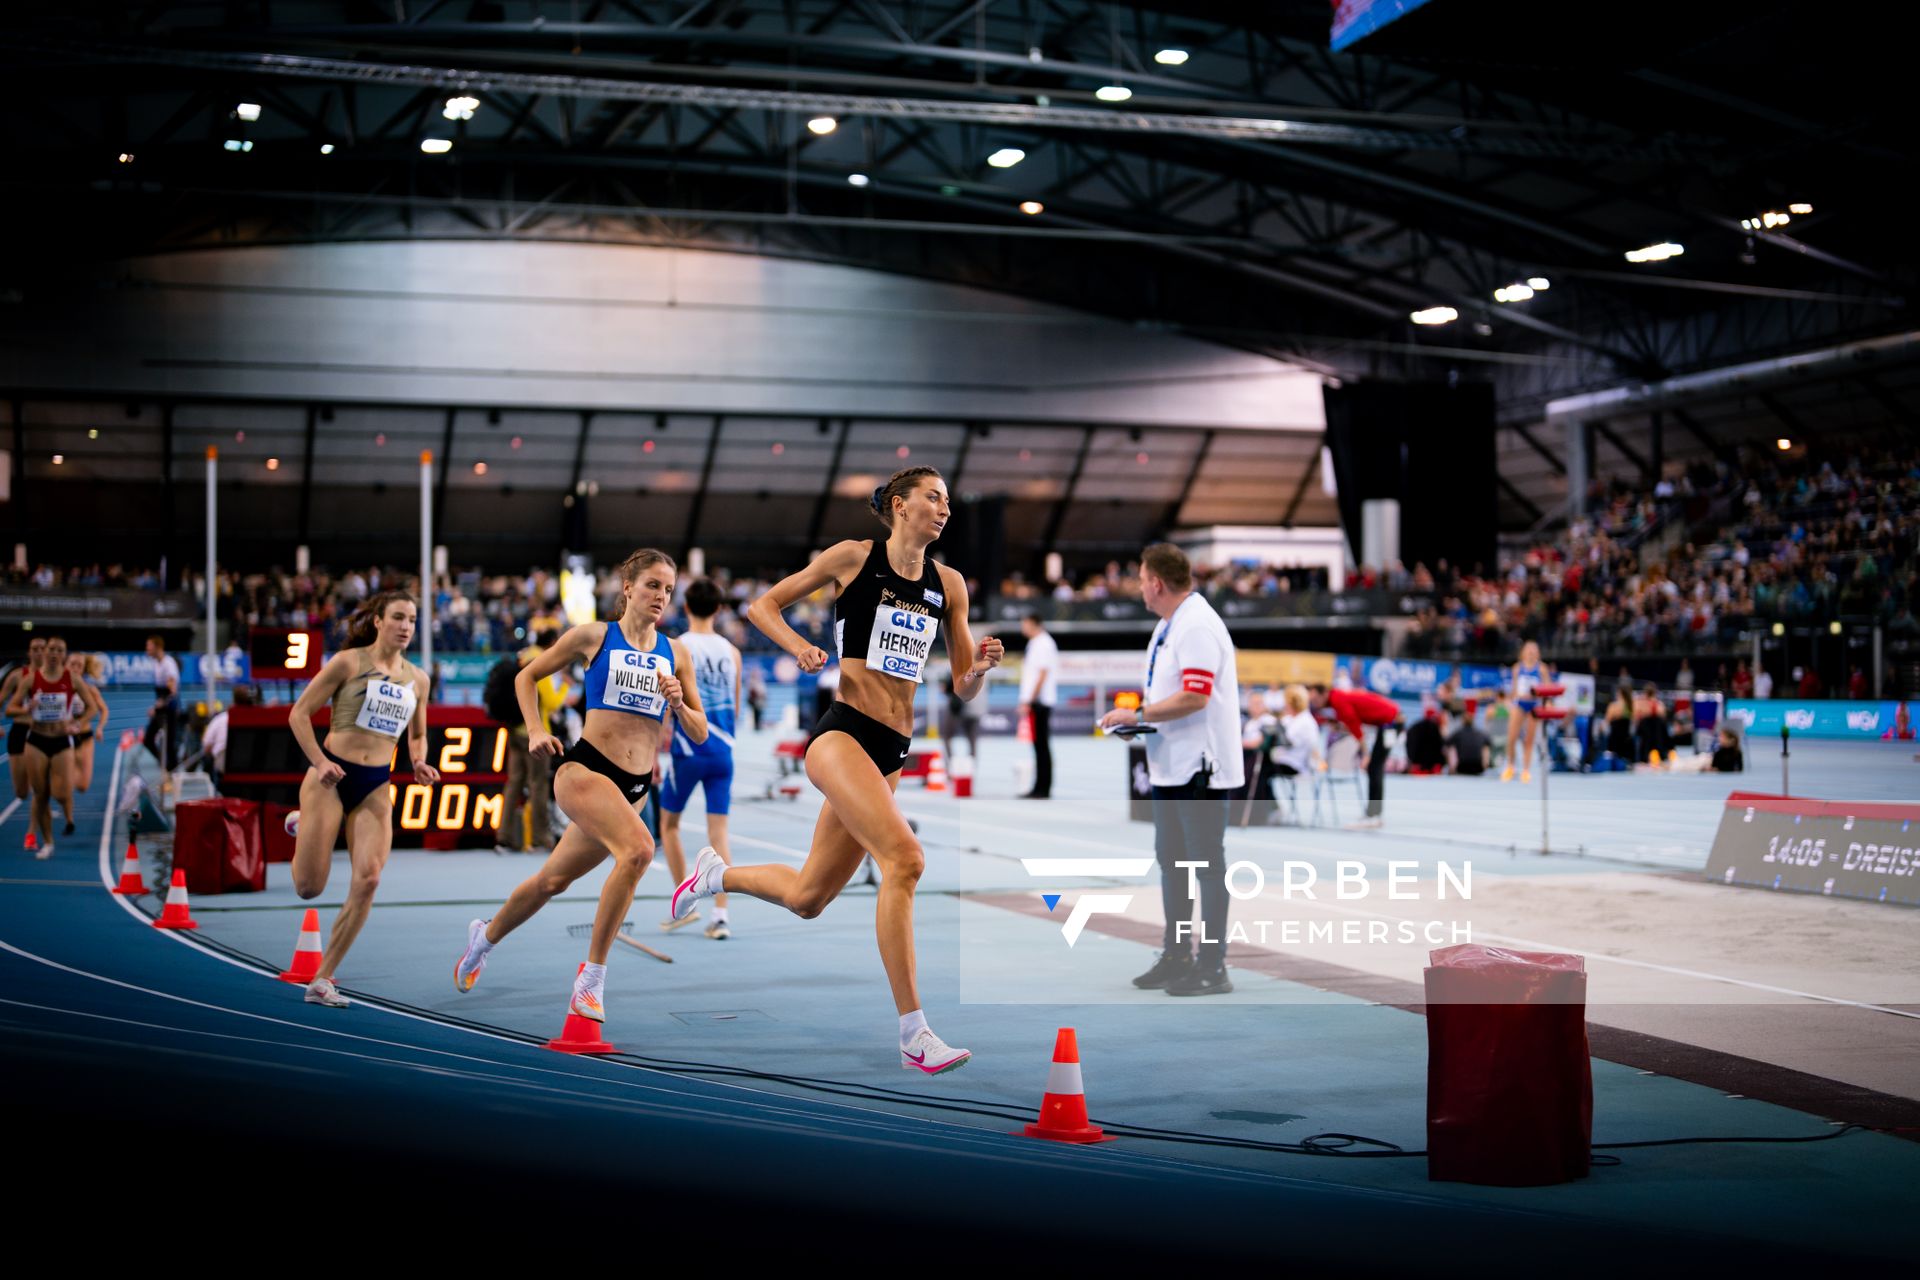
(633, 683)
(49, 707)
(900, 642)
(388, 707)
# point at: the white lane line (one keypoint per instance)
(8, 811)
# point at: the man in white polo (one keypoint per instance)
(1193, 760)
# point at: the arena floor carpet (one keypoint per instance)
(758, 1086)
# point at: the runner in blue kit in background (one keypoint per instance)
(707, 765)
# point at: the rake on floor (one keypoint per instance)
(582, 930)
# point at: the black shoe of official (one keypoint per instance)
(1198, 981)
(1169, 968)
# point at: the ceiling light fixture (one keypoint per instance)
(1113, 93)
(1513, 293)
(1006, 157)
(479, 468)
(461, 108)
(248, 111)
(59, 459)
(126, 157)
(1435, 315)
(858, 179)
(1656, 252)
(1031, 207)
(822, 125)
(326, 148)
(1801, 209)
(1783, 444)
(436, 146)
(238, 144)
(1171, 57)
(1538, 284)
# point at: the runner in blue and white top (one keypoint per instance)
(1528, 675)
(707, 765)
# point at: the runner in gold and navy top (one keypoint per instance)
(378, 697)
(633, 681)
(893, 601)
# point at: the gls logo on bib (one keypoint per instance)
(900, 642)
(633, 683)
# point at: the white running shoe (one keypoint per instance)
(292, 824)
(929, 1053)
(586, 996)
(670, 924)
(703, 883)
(322, 991)
(466, 970)
(44, 852)
(718, 931)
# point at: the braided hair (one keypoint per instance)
(899, 485)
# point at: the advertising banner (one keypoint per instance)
(135, 670)
(100, 607)
(1839, 848)
(1860, 721)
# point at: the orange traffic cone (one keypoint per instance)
(130, 881)
(580, 1035)
(176, 915)
(1063, 1111)
(937, 775)
(306, 952)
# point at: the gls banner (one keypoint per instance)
(132, 670)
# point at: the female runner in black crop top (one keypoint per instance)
(892, 601)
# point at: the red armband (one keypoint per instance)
(1195, 680)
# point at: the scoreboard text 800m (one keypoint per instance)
(464, 808)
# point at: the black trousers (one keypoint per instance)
(165, 717)
(1190, 825)
(1377, 773)
(1042, 750)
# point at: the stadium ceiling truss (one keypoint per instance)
(1266, 193)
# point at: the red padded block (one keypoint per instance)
(1509, 1076)
(217, 843)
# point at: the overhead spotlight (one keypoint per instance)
(858, 179)
(1113, 93)
(59, 459)
(1538, 284)
(902, 452)
(380, 439)
(516, 442)
(822, 125)
(1031, 207)
(778, 448)
(1034, 55)
(1435, 315)
(1006, 157)
(93, 433)
(126, 157)
(1142, 458)
(461, 108)
(1513, 293)
(326, 148)
(436, 146)
(248, 111)
(1779, 628)
(1834, 627)
(1774, 218)
(1171, 57)
(273, 464)
(238, 144)
(1800, 209)
(1783, 444)
(479, 468)
(1656, 252)
(646, 446)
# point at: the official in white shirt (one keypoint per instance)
(1039, 690)
(1193, 760)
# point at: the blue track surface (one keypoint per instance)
(118, 1037)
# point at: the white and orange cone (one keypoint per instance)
(176, 914)
(130, 881)
(937, 775)
(306, 952)
(1063, 1111)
